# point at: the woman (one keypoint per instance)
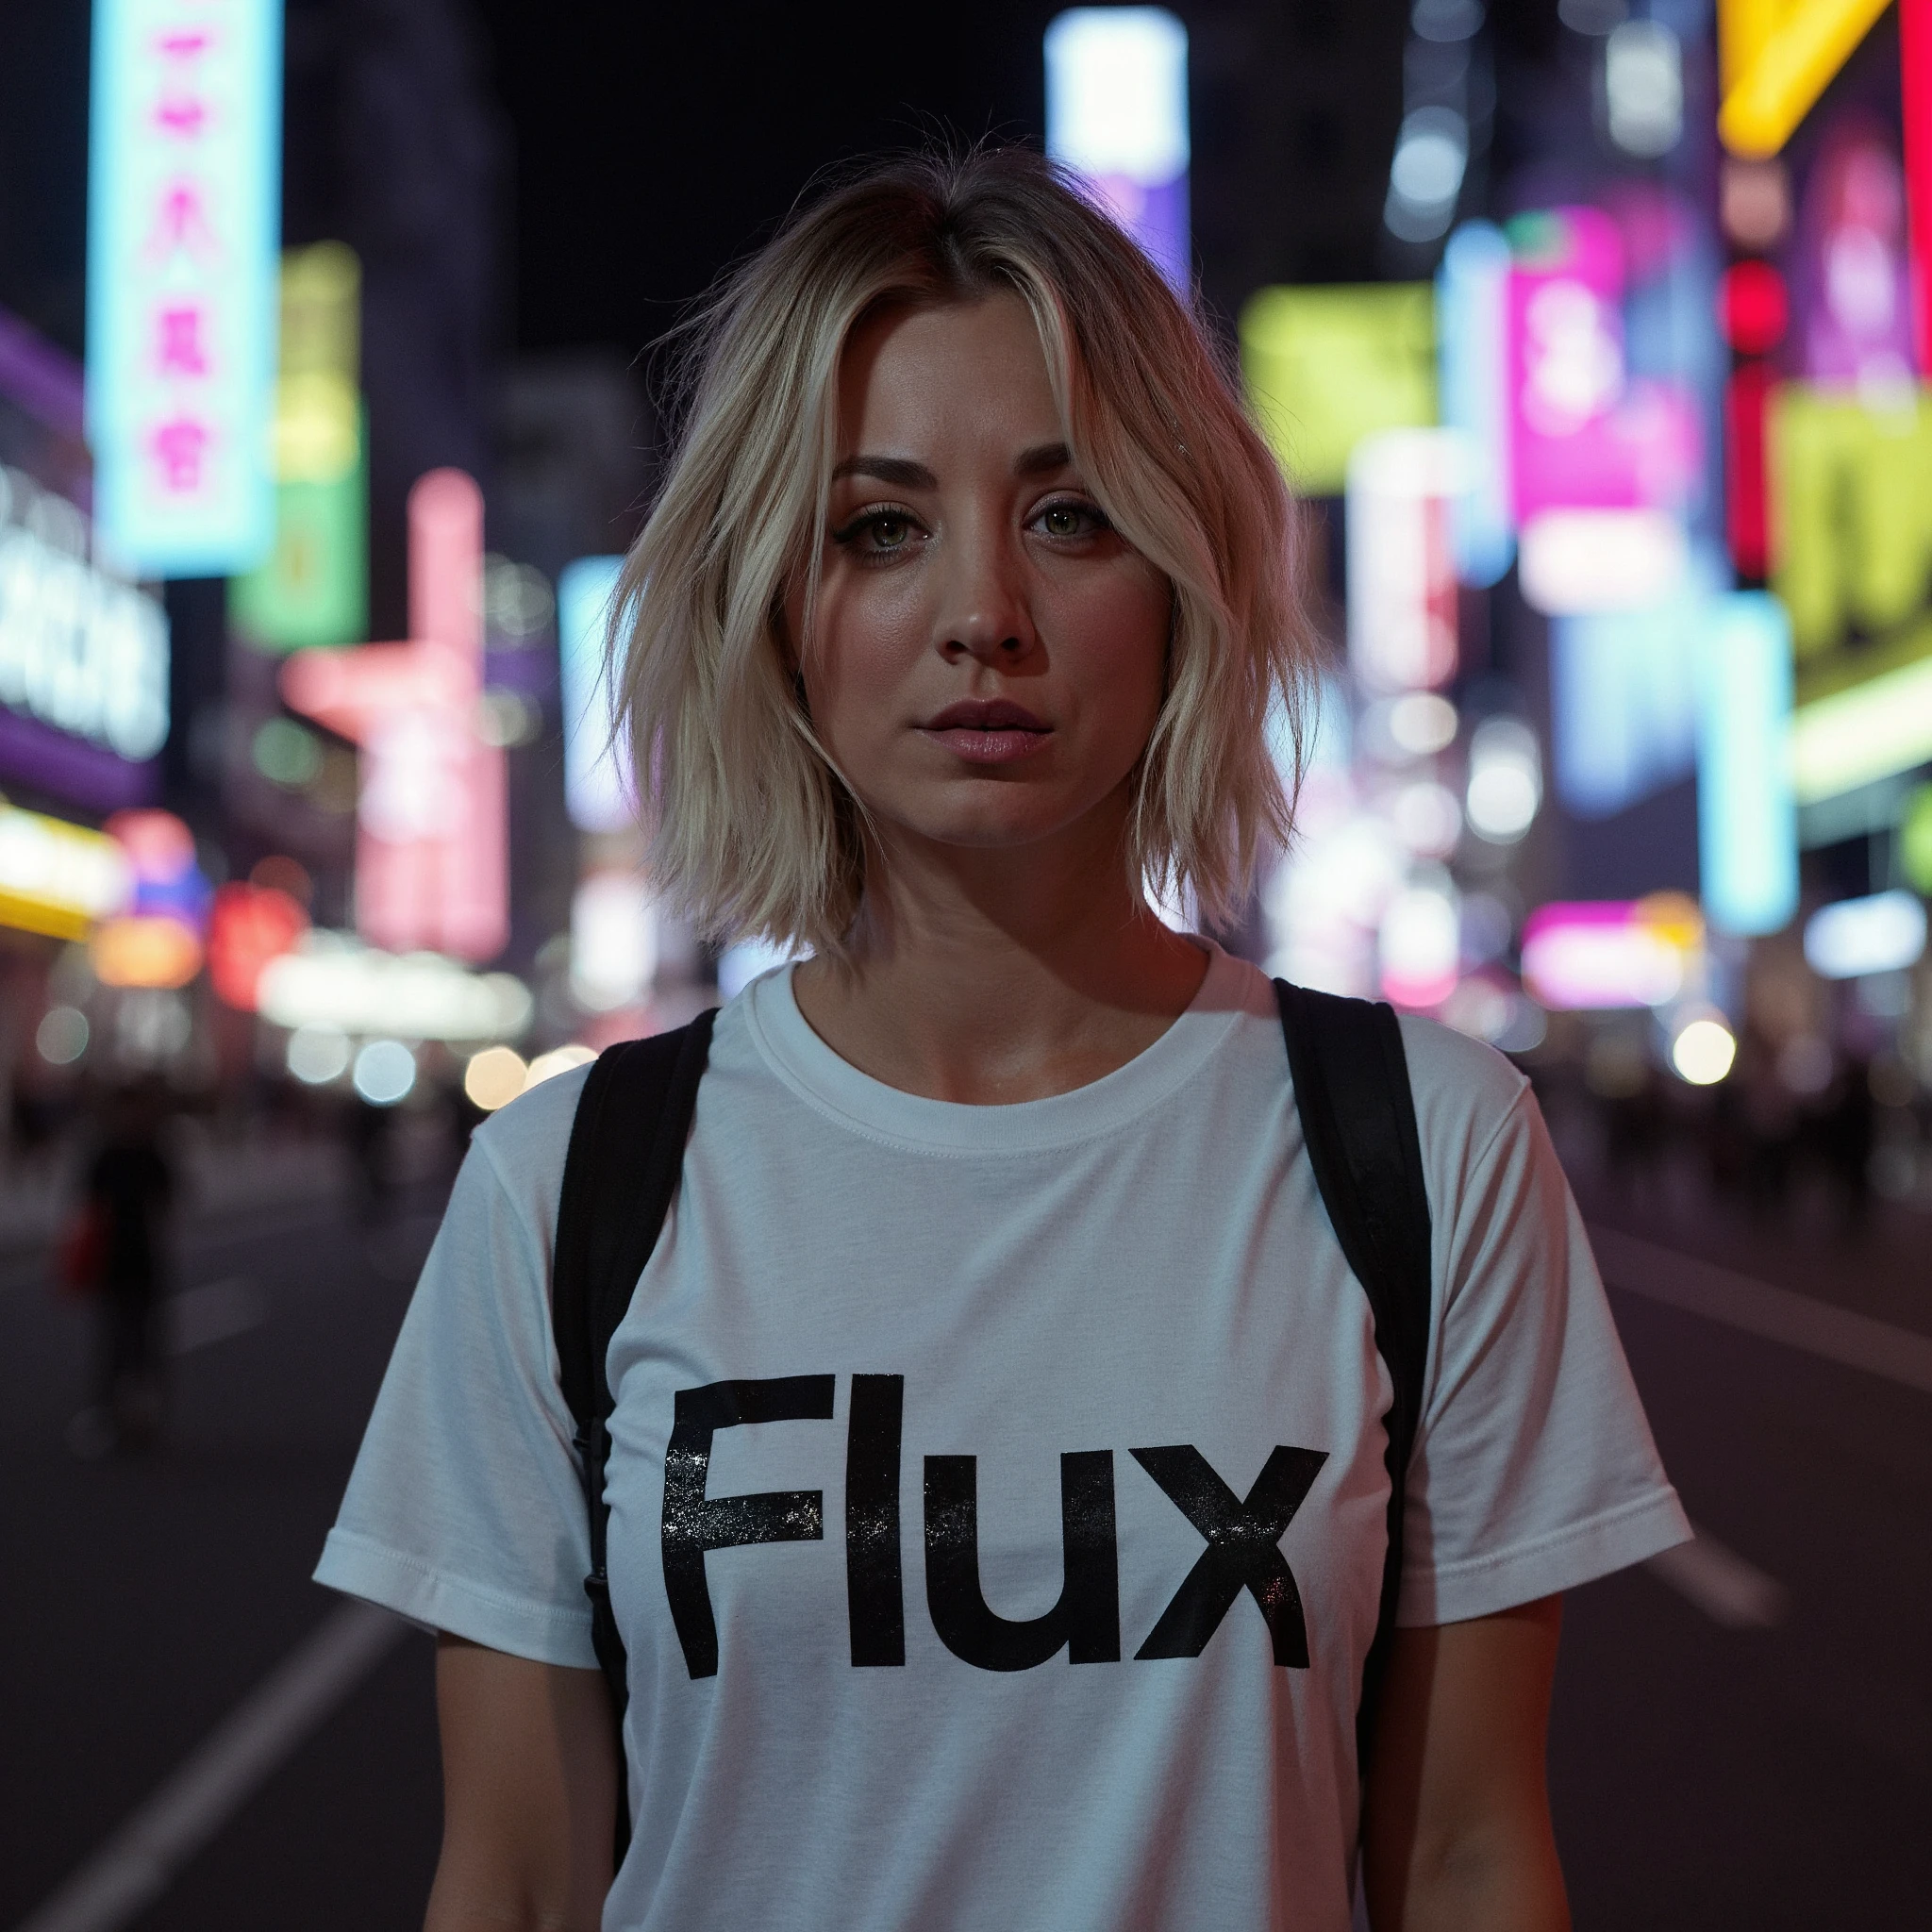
(962, 616)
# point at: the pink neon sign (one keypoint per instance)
(1915, 60)
(1598, 954)
(1853, 275)
(432, 844)
(1584, 435)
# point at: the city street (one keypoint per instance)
(1435, 492)
(1740, 1741)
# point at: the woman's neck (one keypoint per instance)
(994, 975)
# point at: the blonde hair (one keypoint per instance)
(750, 828)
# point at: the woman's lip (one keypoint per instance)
(986, 714)
(987, 747)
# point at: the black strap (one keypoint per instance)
(626, 1153)
(1357, 1116)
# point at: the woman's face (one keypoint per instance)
(988, 655)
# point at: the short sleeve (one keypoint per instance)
(465, 1510)
(1534, 1469)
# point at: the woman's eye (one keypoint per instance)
(1064, 519)
(877, 533)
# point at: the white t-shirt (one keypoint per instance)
(1136, 1397)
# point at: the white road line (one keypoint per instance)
(1721, 1584)
(139, 1863)
(1799, 1321)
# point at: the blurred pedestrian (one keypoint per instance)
(128, 1193)
(966, 609)
(1847, 1131)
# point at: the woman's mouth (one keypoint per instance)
(988, 732)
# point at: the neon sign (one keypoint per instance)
(156, 940)
(250, 926)
(1862, 731)
(1117, 114)
(183, 211)
(1851, 281)
(328, 980)
(1777, 56)
(1594, 955)
(1586, 436)
(1747, 815)
(57, 878)
(1915, 60)
(83, 658)
(1851, 511)
(1473, 330)
(1853, 938)
(1623, 701)
(432, 844)
(1402, 633)
(1324, 368)
(315, 587)
(1600, 464)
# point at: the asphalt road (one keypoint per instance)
(1745, 1744)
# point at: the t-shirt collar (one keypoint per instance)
(836, 1087)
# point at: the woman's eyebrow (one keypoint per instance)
(1043, 459)
(900, 471)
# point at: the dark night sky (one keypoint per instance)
(652, 144)
(644, 145)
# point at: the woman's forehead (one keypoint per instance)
(942, 368)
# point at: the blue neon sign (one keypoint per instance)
(1747, 816)
(184, 217)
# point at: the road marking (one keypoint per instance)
(215, 1311)
(142, 1860)
(1721, 1584)
(1799, 1321)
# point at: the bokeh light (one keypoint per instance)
(1703, 1052)
(385, 1072)
(494, 1078)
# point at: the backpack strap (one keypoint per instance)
(1357, 1116)
(626, 1155)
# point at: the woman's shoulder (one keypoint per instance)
(1460, 1085)
(525, 1142)
(1466, 1092)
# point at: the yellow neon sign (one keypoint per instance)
(1327, 367)
(1869, 732)
(1852, 513)
(1776, 57)
(55, 879)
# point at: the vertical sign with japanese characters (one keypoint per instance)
(184, 214)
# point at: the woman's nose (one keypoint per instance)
(985, 614)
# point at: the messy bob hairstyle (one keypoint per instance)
(752, 830)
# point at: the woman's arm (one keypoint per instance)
(1457, 1822)
(529, 1794)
